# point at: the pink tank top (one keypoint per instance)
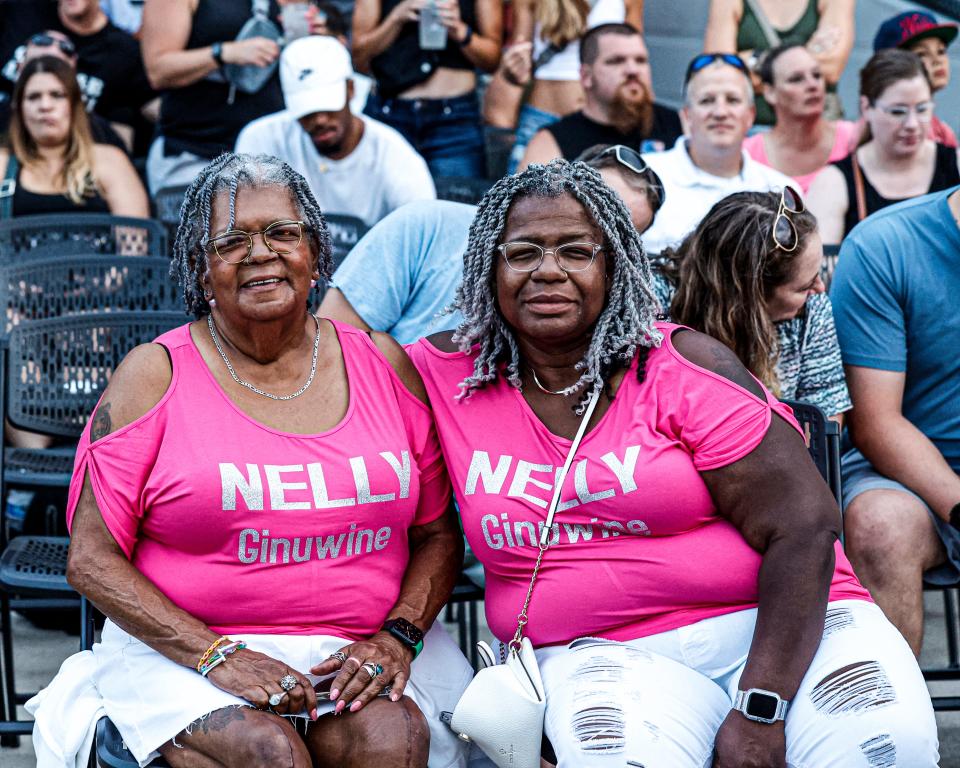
(637, 546)
(255, 530)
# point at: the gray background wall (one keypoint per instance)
(674, 33)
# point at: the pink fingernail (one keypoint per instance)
(355, 707)
(313, 714)
(340, 706)
(334, 693)
(394, 697)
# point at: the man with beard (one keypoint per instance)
(708, 162)
(354, 164)
(619, 107)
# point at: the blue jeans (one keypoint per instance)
(530, 121)
(446, 132)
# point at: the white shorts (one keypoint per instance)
(659, 700)
(151, 699)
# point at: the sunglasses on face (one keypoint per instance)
(706, 59)
(785, 235)
(45, 41)
(630, 158)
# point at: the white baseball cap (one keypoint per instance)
(313, 74)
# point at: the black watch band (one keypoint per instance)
(467, 37)
(955, 516)
(216, 50)
(406, 632)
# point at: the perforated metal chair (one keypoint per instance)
(345, 231)
(461, 189)
(81, 233)
(831, 253)
(52, 375)
(166, 208)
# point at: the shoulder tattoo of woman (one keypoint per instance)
(102, 425)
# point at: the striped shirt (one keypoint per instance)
(809, 365)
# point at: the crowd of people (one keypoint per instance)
(657, 277)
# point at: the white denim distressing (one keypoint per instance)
(658, 701)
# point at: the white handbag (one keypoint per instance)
(502, 709)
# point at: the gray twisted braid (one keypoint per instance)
(230, 172)
(627, 320)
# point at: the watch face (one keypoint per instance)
(762, 705)
(408, 630)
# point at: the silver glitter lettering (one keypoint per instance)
(244, 554)
(494, 540)
(480, 469)
(232, 481)
(402, 468)
(522, 477)
(298, 556)
(382, 538)
(359, 468)
(624, 469)
(318, 484)
(278, 487)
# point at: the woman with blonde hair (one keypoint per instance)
(543, 56)
(749, 276)
(52, 164)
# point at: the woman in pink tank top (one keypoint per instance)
(693, 592)
(260, 506)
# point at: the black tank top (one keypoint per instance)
(945, 175)
(27, 203)
(577, 132)
(404, 64)
(198, 118)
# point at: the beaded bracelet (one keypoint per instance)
(220, 656)
(211, 650)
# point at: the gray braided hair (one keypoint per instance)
(627, 320)
(230, 172)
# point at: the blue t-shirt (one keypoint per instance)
(405, 271)
(895, 295)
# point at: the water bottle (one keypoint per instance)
(433, 35)
(18, 502)
(293, 19)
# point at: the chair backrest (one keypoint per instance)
(345, 231)
(57, 369)
(38, 287)
(461, 189)
(81, 233)
(823, 442)
(829, 263)
(166, 208)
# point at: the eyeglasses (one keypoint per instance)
(42, 40)
(527, 257)
(900, 112)
(785, 235)
(706, 59)
(235, 246)
(630, 158)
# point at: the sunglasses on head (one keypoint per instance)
(630, 158)
(706, 59)
(785, 235)
(45, 41)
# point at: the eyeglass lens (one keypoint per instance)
(43, 41)
(572, 257)
(630, 158)
(784, 232)
(281, 237)
(791, 200)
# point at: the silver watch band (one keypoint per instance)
(740, 704)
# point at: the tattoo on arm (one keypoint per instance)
(102, 425)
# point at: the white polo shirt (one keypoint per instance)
(382, 173)
(691, 192)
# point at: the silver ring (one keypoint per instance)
(288, 682)
(276, 698)
(339, 656)
(371, 669)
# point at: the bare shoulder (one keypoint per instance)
(401, 363)
(828, 183)
(138, 384)
(107, 157)
(443, 340)
(712, 355)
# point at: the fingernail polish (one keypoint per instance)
(355, 707)
(340, 706)
(334, 693)
(313, 714)
(394, 697)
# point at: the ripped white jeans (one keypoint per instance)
(658, 701)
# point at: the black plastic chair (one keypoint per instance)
(166, 208)
(823, 442)
(81, 233)
(35, 287)
(345, 232)
(52, 375)
(461, 189)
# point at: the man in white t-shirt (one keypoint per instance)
(708, 162)
(355, 165)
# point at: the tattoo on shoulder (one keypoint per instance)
(102, 424)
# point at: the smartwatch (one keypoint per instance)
(216, 50)
(406, 632)
(761, 706)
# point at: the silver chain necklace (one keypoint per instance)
(540, 386)
(247, 384)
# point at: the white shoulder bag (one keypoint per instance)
(502, 708)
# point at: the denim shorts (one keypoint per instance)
(859, 476)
